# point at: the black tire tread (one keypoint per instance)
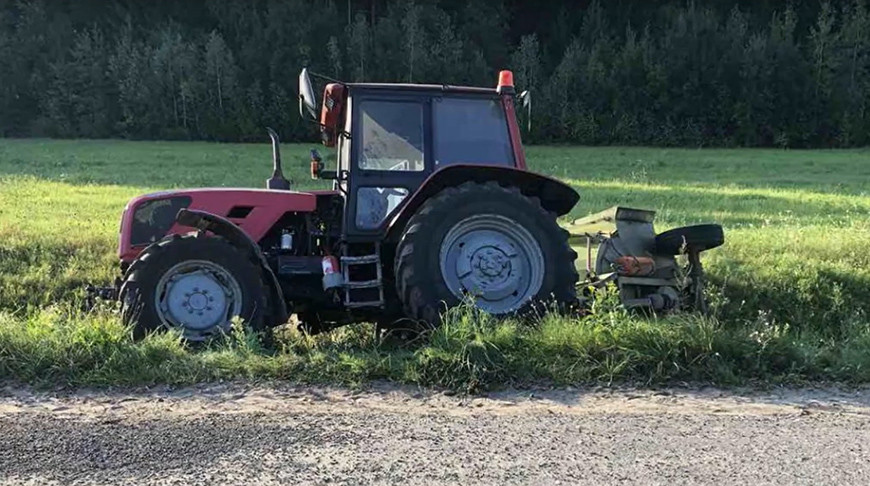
(409, 283)
(131, 298)
(701, 237)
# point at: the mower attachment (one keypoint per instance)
(619, 245)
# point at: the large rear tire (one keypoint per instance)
(487, 241)
(194, 284)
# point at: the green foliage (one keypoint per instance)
(469, 353)
(674, 73)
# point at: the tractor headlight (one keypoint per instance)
(152, 219)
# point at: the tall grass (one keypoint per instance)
(470, 352)
(790, 288)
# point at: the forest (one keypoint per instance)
(627, 72)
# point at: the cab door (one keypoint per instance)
(389, 159)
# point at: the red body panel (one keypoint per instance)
(514, 129)
(268, 206)
(331, 113)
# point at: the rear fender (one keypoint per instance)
(555, 195)
(225, 228)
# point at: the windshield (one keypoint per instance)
(471, 131)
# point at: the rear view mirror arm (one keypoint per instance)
(327, 78)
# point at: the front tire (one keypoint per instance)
(487, 241)
(194, 284)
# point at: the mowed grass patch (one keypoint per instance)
(791, 287)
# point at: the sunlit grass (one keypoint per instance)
(791, 287)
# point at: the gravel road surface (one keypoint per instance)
(280, 434)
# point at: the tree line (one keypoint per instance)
(682, 73)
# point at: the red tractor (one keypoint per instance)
(431, 202)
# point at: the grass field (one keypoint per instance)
(791, 287)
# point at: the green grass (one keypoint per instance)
(791, 286)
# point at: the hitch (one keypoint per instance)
(94, 294)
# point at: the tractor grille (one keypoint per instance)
(152, 219)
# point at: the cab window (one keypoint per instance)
(374, 204)
(471, 131)
(392, 135)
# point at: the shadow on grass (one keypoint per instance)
(825, 303)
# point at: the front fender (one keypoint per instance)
(225, 228)
(555, 195)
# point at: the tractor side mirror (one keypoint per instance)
(306, 96)
(526, 99)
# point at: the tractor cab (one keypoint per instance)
(391, 138)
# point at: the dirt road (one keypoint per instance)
(237, 434)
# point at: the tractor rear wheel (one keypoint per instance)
(194, 284)
(487, 242)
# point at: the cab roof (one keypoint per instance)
(446, 88)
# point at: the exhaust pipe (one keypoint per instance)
(277, 181)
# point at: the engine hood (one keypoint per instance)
(150, 217)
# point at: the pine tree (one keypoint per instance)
(853, 77)
(220, 68)
(412, 33)
(822, 43)
(78, 100)
(129, 70)
(526, 65)
(526, 62)
(359, 39)
(173, 61)
(333, 51)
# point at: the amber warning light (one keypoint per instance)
(316, 164)
(505, 82)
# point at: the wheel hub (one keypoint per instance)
(493, 258)
(491, 263)
(197, 301)
(198, 297)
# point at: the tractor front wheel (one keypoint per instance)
(194, 284)
(486, 242)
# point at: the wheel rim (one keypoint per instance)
(495, 260)
(198, 298)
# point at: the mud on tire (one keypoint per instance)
(420, 283)
(138, 294)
